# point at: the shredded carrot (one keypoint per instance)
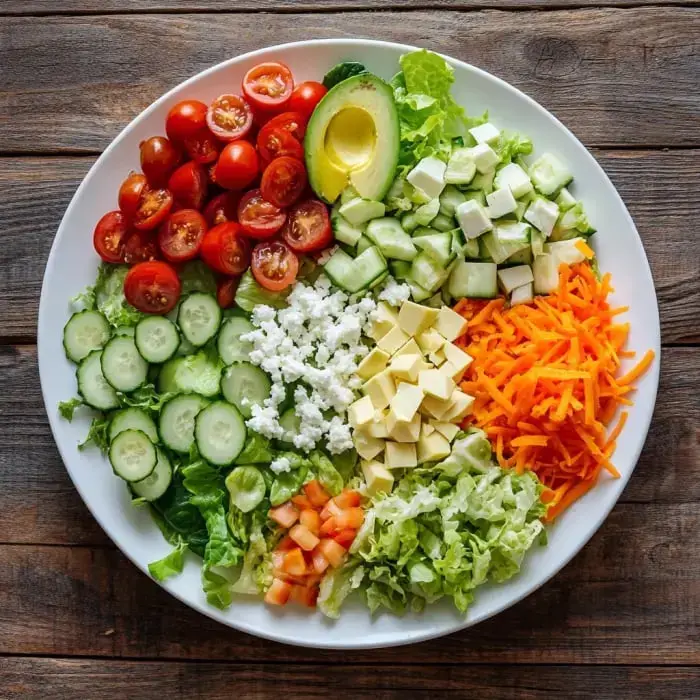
(545, 378)
(584, 249)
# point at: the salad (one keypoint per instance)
(347, 338)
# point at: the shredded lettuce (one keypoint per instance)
(110, 299)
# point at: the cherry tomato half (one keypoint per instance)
(140, 246)
(274, 142)
(308, 227)
(306, 96)
(202, 147)
(293, 122)
(158, 159)
(180, 237)
(268, 86)
(237, 166)
(130, 193)
(188, 185)
(283, 181)
(259, 218)
(229, 117)
(154, 207)
(274, 265)
(109, 236)
(223, 208)
(226, 291)
(152, 287)
(185, 119)
(225, 249)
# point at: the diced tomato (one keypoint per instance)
(329, 527)
(310, 519)
(278, 593)
(285, 544)
(320, 563)
(350, 518)
(304, 595)
(330, 509)
(304, 537)
(294, 563)
(348, 499)
(301, 501)
(285, 515)
(316, 493)
(334, 552)
(345, 537)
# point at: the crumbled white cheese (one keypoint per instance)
(281, 464)
(395, 293)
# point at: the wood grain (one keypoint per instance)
(615, 76)
(66, 679)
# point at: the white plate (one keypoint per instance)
(72, 265)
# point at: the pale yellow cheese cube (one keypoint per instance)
(436, 383)
(393, 340)
(410, 348)
(377, 428)
(361, 412)
(406, 367)
(456, 356)
(435, 407)
(400, 431)
(437, 357)
(373, 363)
(460, 404)
(429, 341)
(427, 429)
(432, 448)
(447, 430)
(367, 447)
(449, 324)
(377, 476)
(406, 402)
(380, 389)
(415, 318)
(385, 318)
(401, 455)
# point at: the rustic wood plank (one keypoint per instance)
(615, 76)
(34, 193)
(65, 679)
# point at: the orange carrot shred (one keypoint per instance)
(584, 249)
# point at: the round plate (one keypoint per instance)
(72, 265)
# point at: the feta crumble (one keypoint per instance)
(281, 464)
(394, 293)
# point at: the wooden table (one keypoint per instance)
(77, 620)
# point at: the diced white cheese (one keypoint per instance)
(428, 176)
(430, 340)
(500, 202)
(509, 278)
(485, 158)
(513, 176)
(472, 219)
(543, 214)
(406, 367)
(378, 477)
(485, 133)
(393, 340)
(380, 389)
(447, 430)
(432, 448)
(406, 402)
(400, 455)
(280, 465)
(361, 412)
(401, 431)
(522, 295)
(460, 404)
(449, 324)
(410, 348)
(435, 383)
(415, 318)
(373, 363)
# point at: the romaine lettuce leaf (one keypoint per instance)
(109, 296)
(249, 294)
(169, 565)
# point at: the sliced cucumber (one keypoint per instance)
(438, 247)
(132, 455)
(133, 419)
(506, 239)
(220, 433)
(85, 331)
(549, 174)
(391, 239)
(199, 318)
(156, 338)
(157, 482)
(93, 386)
(354, 274)
(290, 423)
(443, 223)
(245, 385)
(450, 199)
(195, 373)
(231, 347)
(428, 273)
(176, 422)
(343, 230)
(399, 269)
(122, 364)
(418, 293)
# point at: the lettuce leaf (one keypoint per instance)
(249, 294)
(341, 72)
(169, 565)
(110, 299)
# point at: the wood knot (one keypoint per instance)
(553, 57)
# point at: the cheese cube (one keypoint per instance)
(380, 389)
(385, 318)
(393, 340)
(415, 318)
(472, 219)
(485, 158)
(367, 447)
(511, 278)
(456, 356)
(401, 431)
(432, 448)
(460, 404)
(377, 477)
(373, 363)
(485, 133)
(429, 341)
(406, 367)
(521, 295)
(406, 402)
(410, 348)
(435, 407)
(500, 202)
(427, 429)
(428, 176)
(361, 412)
(436, 383)
(449, 370)
(401, 455)
(543, 214)
(450, 325)
(437, 357)
(447, 430)
(376, 429)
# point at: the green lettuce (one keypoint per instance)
(110, 299)
(196, 276)
(341, 72)
(67, 408)
(257, 450)
(249, 294)
(98, 434)
(326, 473)
(169, 565)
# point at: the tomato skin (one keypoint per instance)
(274, 142)
(152, 287)
(229, 117)
(159, 158)
(202, 147)
(140, 246)
(185, 119)
(259, 218)
(154, 207)
(180, 237)
(188, 185)
(223, 208)
(226, 291)
(308, 227)
(274, 265)
(283, 181)
(306, 96)
(109, 236)
(130, 193)
(237, 166)
(293, 122)
(268, 86)
(225, 249)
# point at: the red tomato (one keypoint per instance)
(345, 537)
(109, 236)
(306, 96)
(188, 185)
(202, 147)
(140, 246)
(259, 218)
(181, 235)
(130, 193)
(225, 249)
(224, 207)
(268, 86)
(283, 181)
(293, 122)
(158, 159)
(308, 227)
(185, 119)
(237, 166)
(154, 207)
(229, 117)
(226, 291)
(274, 265)
(274, 141)
(152, 287)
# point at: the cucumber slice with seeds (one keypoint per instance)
(245, 385)
(231, 347)
(199, 318)
(220, 433)
(156, 338)
(176, 422)
(122, 364)
(93, 386)
(133, 419)
(85, 331)
(132, 455)
(157, 482)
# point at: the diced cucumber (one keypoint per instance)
(231, 347)
(511, 278)
(428, 273)
(443, 223)
(436, 301)
(537, 239)
(483, 182)
(474, 280)
(370, 267)
(522, 257)
(220, 433)
(176, 421)
(424, 231)
(408, 222)
(514, 177)
(418, 293)
(199, 318)
(157, 482)
(399, 269)
(506, 239)
(122, 364)
(437, 246)
(565, 251)
(245, 385)
(132, 419)
(484, 254)
(132, 455)
(546, 274)
(93, 386)
(343, 230)
(565, 200)
(549, 174)
(156, 338)
(450, 199)
(348, 194)
(427, 212)
(522, 295)
(391, 239)
(363, 244)
(378, 280)
(85, 331)
(461, 167)
(477, 196)
(352, 275)
(358, 210)
(542, 214)
(198, 373)
(571, 223)
(470, 249)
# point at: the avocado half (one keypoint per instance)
(353, 139)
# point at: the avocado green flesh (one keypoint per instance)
(353, 139)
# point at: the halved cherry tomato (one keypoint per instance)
(202, 147)
(158, 159)
(188, 185)
(306, 96)
(226, 291)
(229, 117)
(274, 265)
(140, 246)
(293, 122)
(225, 249)
(283, 181)
(273, 141)
(153, 209)
(308, 227)
(109, 236)
(259, 218)
(237, 166)
(180, 237)
(268, 86)
(185, 119)
(130, 192)
(224, 207)
(152, 287)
